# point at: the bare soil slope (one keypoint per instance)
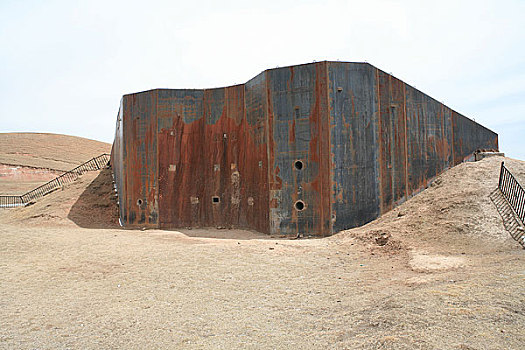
(455, 207)
(50, 151)
(438, 272)
(28, 160)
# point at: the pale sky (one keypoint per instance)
(64, 65)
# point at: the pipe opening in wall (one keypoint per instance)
(215, 199)
(298, 164)
(299, 205)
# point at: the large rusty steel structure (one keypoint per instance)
(310, 149)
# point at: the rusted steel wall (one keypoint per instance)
(117, 160)
(310, 149)
(388, 141)
(299, 153)
(392, 132)
(139, 160)
(255, 195)
(212, 157)
(429, 139)
(181, 157)
(354, 144)
(470, 136)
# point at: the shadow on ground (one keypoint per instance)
(97, 206)
(234, 233)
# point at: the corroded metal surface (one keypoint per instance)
(469, 136)
(299, 152)
(354, 144)
(206, 142)
(310, 149)
(139, 159)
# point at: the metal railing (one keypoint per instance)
(93, 164)
(11, 201)
(513, 192)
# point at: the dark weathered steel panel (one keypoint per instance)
(298, 109)
(392, 141)
(254, 168)
(429, 139)
(353, 120)
(117, 160)
(470, 136)
(140, 159)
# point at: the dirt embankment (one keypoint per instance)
(455, 207)
(17, 180)
(88, 202)
(28, 160)
(49, 151)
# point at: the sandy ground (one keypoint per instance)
(448, 277)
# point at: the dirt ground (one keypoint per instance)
(448, 277)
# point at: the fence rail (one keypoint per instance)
(513, 192)
(93, 164)
(11, 201)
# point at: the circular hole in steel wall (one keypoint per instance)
(298, 164)
(299, 205)
(139, 202)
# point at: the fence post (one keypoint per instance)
(501, 174)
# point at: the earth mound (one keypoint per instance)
(28, 160)
(49, 151)
(455, 208)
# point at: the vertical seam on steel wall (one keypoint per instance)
(406, 139)
(120, 171)
(380, 144)
(156, 193)
(268, 183)
(122, 167)
(329, 150)
(319, 148)
(244, 161)
(125, 157)
(445, 165)
(452, 132)
(442, 113)
(392, 144)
